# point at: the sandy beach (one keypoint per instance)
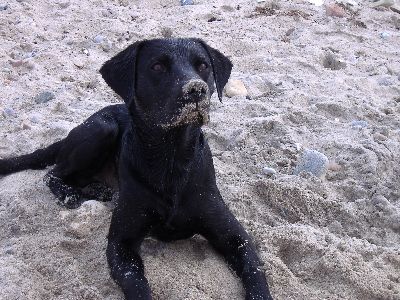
(320, 77)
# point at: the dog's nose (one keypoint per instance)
(195, 90)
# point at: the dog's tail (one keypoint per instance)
(38, 159)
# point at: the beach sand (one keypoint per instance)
(314, 81)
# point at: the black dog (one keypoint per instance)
(163, 164)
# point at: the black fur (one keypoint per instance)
(154, 148)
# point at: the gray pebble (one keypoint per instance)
(35, 118)
(9, 112)
(359, 124)
(44, 97)
(385, 81)
(333, 63)
(187, 2)
(269, 171)
(312, 161)
(3, 7)
(98, 39)
(384, 35)
(106, 46)
(9, 250)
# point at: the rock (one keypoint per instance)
(334, 10)
(235, 87)
(106, 46)
(9, 112)
(312, 161)
(396, 8)
(26, 125)
(384, 35)
(331, 62)
(358, 124)
(333, 166)
(166, 32)
(16, 63)
(187, 2)
(379, 137)
(79, 63)
(64, 4)
(3, 7)
(384, 3)
(381, 203)
(317, 2)
(385, 81)
(269, 171)
(44, 97)
(98, 39)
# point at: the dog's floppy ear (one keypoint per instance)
(221, 66)
(119, 72)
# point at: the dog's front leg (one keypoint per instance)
(229, 238)
(129, 225)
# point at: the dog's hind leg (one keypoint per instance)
(68, 196)
(86, 151)
(98, 191)
(38, 159)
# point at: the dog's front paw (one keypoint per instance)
(258, 294)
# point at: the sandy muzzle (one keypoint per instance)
(191, 113)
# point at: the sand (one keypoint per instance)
(315, 81)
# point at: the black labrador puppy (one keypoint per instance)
(161, 160)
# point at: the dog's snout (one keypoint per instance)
(195, 90)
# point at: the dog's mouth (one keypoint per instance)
(191, 113)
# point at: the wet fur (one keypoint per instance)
(153, 146)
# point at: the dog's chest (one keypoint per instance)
(177, 227)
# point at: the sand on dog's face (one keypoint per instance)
(309, 77)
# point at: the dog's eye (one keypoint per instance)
(202, 67)
(158, 67)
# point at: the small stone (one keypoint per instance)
(44, 97)
(64, 4)
(381, 203)
(385, 81)
(312, 161)
(85, 51)
(9, 251)
(25, 125)
(98, 39)
(166, 32)
(187, 2)
(379, 137)
(333, 166)
(384, 3)
(235, 87)
(358, 124)
(79, 63)
(9, 112)
(331, 62)
(106, 46)
(3, 7)
(334, 10)
(317, 2)
(35, 118)
(269, 171)
(16, 63)
(384, 35)
(396, 8)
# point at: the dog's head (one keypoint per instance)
(168, 82)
